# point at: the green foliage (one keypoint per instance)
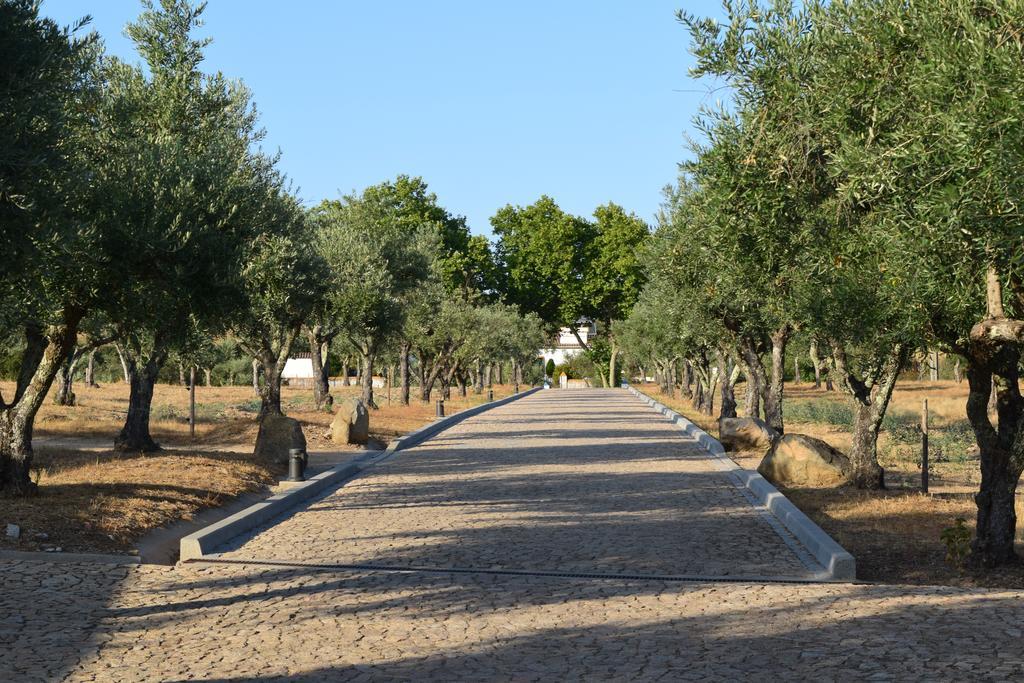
(549, 368)
(579, 366)
(957, 539)
(562, 267)
(379, 246)
(541, 256)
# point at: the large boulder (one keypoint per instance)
(745, 433)
(278, 435)
(351, 423)
(800, 461)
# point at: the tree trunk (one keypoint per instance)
(461, 380)
(773, 397)
(41, 360)
(870, 397)
(134, 435)
(1001, 461)
(707, 382)
(752, 391)
(478, 377)
(672, 379)
(124, 362)
(687, 380)
(816, 362)
(318, 343)
(270, 389)
(487, 375)
(422, 370)
(206, 374)
(181, 374)
(403, 372)
(369, 352)
(727, 408)
(256, 376)
(958, 374)
(663, 377)
(90, 374)
(756, 375)
(65, 396)
(613, 372)
(344, 372)
(497, 372)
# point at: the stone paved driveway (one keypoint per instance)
(254, 621)
(567, 481)
(245, 623)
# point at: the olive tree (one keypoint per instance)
(929, 146)
(46, 89)
(176, 164)
(378, 246)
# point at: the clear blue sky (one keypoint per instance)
(492, 103)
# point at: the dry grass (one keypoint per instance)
(105, 502)
(894, 534)
(95, 500)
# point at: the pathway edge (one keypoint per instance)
(201, 543)
(839, 563)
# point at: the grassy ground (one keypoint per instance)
(92, 499)
(893, 534)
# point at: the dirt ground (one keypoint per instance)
(92, 499)
(893, 534)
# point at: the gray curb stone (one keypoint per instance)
(201, 543)
(839, 564)
(83, 558)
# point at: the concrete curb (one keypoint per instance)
(838, 563)
(197, 545)
(83, 558)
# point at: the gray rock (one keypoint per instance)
(351, 423)
(797, 461)
(745, 433)
(278, 434)
(13, 531)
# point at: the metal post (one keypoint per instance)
(192, 403)
(440, 407)
(490, 395)
(924, 446)
(516, 388)
(296, 464)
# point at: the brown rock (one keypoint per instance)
(278, 434)
(745, 433)
(798, 460)
(351, 423)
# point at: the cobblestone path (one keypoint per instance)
(256, 621)
(568, 481)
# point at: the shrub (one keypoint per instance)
(958, 543)
(549, 369)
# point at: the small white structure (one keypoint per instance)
(298, 371)
(565, 345)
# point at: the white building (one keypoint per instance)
(565, 345)
(298, 370)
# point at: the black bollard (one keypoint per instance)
(296, 464)
(440, 407)
(517, 388)
(490, 395)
